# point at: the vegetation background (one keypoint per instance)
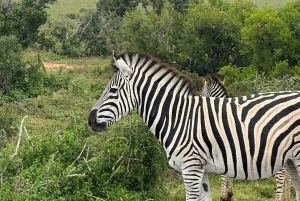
(47, 151)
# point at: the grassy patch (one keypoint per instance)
(274, 3)
(62, 7)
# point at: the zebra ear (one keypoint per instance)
(223, 82)
(122, 66)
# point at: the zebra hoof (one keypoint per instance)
(229, 196)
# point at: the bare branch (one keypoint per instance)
(76, 175)
(19, 139)
(80, 154)
(16, 151)
(48, 169)
(29, 138)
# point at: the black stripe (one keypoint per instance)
(141, 78)
(154, 112)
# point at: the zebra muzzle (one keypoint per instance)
(95, 126)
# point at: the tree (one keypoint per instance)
(10, 61)
(213, 38)
(23, 19)
(152, 33)
(290, 14)
(118, 7)
(267, 40)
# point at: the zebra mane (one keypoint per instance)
(216, 79)
(157, 64)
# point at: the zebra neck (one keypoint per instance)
(167, 114)
(160, 93)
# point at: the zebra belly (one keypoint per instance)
(253, 172)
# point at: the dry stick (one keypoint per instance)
(96, 198)
(29, 138)
(77, 175)
(48, 168)
(80, 153)
(19, 140)
(120, 159)
(16, 151)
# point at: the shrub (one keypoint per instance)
(11, 64)
(77, 165)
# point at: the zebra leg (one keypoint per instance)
(226, 182)
(223, 187)
(287, 185)
(280, 176)
(295, 175)
(196, 183)
(230, 187)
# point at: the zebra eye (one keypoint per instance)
(113, 90)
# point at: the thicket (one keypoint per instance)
(19, 27)
(200, 37)
(54, 154)
(72, 165)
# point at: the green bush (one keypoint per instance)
(77, 165)
(11, 64)
(22, 19)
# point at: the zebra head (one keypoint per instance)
(213, 87)
(115, 101)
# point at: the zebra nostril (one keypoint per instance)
(92, 117)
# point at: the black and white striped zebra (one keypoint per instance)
(248, 138)
(213, 87)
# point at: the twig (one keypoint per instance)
(97, 198)
(76, 175)
(120, 159)
(16, 151)
(29, 138)
(80, 154)
(48, 169)
(19, 140)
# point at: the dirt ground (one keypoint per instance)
(53, 66)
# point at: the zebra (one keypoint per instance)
(247, 138)
(213, 87)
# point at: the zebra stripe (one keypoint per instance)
(205, 134)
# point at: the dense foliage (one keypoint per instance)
(201, 37)
(60, 158)
(23, 19)
(19, 27)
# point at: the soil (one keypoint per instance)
(53, 66)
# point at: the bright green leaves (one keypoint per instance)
(266, 38)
